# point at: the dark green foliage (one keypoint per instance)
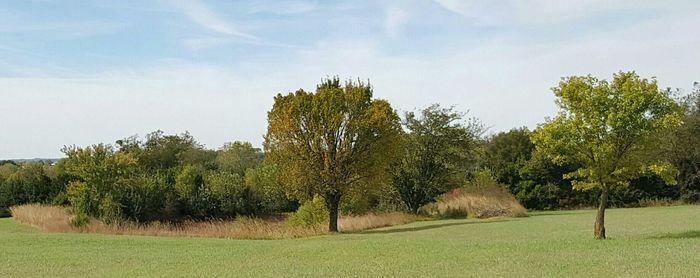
(28, 183)
(439, 149)
(264, 184)
(685, 148)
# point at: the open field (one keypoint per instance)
(662, 242)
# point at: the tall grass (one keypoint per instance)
(57, 219)
(481, 198)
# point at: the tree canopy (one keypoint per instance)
(331, 141)
(440, 144)
(607, 127)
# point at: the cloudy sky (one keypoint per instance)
(83, 72)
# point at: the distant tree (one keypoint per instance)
(506, 153)
(439, 144)
(27, 183)
(331, 141)
(608, 127)
(685, 147)
(237, 157)
(3, 162)
(159, 151)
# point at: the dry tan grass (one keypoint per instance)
(57, 219)
(45, 217)
(480, 202)
(660, 202)
(370, 221)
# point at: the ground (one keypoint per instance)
(644, 242)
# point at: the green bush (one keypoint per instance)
(311, 213)
(110, 210)
(83, 198)
(141, 198)
(266, 189)
(229, 193)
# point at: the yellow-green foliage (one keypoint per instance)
(311, 213)
(608, 128)
(331, 141)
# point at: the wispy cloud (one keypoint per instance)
(201, 14)
(283, 7)
(393, 20)
(507, 12)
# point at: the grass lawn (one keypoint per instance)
(644, 242)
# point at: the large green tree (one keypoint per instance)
(331, 141)
(608, 127)
(439, 145)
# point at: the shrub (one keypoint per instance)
(141, 198)
(481, 198)
(80, 220)
(268, 192)
(110, 211)
(229, 193)
(311, 213)
(83, 198)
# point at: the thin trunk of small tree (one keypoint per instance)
(599, 229)
(332, 202)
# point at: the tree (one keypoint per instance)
(162, 152)
(237, 157)
(439, 144)
(685, 147)
(506, 153)
(609, 128)
(331, 141)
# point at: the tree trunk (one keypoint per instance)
(599, 230)
(332, 201)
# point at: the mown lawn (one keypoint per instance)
(644, 242)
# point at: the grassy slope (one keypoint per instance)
(644, 242)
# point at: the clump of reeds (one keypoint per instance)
(481, 198)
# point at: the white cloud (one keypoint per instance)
(393, 20)
(198, 12)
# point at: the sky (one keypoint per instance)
(91, 71)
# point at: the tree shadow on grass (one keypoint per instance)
(426, 227)
(688, 234)
(558, 212)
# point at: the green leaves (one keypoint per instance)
(439, 145)
(605, 126)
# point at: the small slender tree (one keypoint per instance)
(328, 142)
(609, 128)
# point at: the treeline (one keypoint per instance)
(421, 155)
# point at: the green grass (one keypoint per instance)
(644, 242)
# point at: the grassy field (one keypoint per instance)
(644, 242)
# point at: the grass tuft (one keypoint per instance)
(479, 202)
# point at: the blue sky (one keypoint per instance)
(82, 72)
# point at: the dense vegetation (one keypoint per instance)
(355, 154)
